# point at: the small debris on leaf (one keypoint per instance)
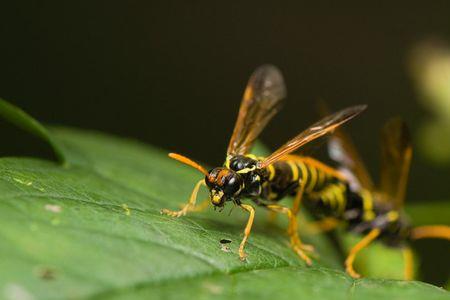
(53, 208)
(126, 209)
(45, 273)
(24, 182)
(224, 245)
(213, 288)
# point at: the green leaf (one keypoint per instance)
(91, 228)
(22, 120)
(376, 261)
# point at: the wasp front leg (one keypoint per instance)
(248, 229)
(190, 206)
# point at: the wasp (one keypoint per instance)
(373, 211)
(266, 180)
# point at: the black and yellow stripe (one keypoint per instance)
(327, 193)
(287, 176)
(325, 189)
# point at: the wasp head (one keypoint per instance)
(224, 185)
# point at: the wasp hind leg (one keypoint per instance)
(190, 206)
(369, 238)
(408, 258)
(296, 243)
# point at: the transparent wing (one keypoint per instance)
(396, 154)
(342, 150)
(261, 101)
(324, 126)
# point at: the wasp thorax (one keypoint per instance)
(224, 185)
(241, 162)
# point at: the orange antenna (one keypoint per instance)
(431, 231)
(188, 162)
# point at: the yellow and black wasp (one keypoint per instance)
(267, 180)
(375, 212)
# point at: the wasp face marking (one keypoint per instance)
(224, 185)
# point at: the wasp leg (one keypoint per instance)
(431, 231)
(408, 258)
(298, 198)
(370, 237)
(248, 229)
(296, 243)
(190, 206)
(293, 227)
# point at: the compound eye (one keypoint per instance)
(208, 183)
(210, 179)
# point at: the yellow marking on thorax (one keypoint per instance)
(227, 162)
(367, 205)
(246, 170)
(392, 216)
(271, 170)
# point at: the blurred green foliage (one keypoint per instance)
(430, 67)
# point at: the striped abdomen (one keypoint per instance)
(361, 211)
(285, 177)
(337, 200)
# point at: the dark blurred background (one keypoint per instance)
(172, 74)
